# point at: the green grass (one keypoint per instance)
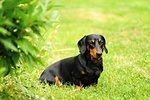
(126, 76)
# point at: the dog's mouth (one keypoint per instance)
(94, 55)
(96, 59)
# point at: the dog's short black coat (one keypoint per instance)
(83, 69)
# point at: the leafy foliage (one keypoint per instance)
(21, 22)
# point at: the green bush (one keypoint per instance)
(21, 22)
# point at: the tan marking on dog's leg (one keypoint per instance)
(57, 81)
(79, 87)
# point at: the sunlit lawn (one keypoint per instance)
(126, 76)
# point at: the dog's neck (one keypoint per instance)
(88, 65)
(82, 60)
(85, 61)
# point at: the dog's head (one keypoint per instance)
(93, 45)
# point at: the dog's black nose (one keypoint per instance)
(98, 54)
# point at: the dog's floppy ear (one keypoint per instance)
(106, 50)
(82, 45)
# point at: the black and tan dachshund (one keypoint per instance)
(81, 70)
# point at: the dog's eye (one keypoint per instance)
(91, 41)
(99, 40)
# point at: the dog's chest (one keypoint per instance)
(90, 72)
(86, 73)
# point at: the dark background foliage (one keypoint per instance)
(21, 22)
